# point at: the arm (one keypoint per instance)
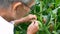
(19, 21)
(25, 19)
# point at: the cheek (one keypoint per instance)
(21, 12)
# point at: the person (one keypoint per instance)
(12, 13)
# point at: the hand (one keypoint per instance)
(33, 28)
(30, 17)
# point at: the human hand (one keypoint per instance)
(30, 17)
(33, 28)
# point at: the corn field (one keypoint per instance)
(48, 15)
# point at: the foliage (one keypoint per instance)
(48, 14)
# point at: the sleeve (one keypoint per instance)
(12, 22)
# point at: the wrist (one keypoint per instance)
(30, 33)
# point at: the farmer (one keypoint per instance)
(12, 13)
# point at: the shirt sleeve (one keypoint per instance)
(12, 22)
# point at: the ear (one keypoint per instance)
(30, 4)
(15, 5)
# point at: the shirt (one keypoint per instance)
(6, 27)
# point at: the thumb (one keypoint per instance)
(36, 24)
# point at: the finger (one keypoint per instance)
(31, 24)
(34, 17)
(32, 20)
(36, 24)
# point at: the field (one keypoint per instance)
(48, 15)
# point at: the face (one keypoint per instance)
(21, 11)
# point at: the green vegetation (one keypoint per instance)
(48, 14)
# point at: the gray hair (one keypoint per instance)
(7, 3)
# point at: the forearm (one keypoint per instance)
(19, 21)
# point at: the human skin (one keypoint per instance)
(16, 11)
(33, 27)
